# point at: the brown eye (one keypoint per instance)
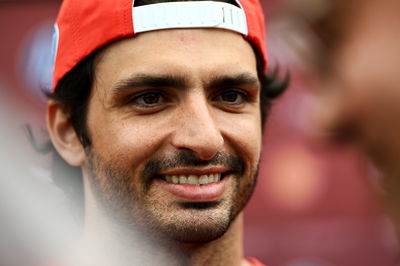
(232, 97)
(150, 99)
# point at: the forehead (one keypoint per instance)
(343, 17)
(371, 29)
(195, 52)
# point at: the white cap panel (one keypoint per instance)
(191, 14)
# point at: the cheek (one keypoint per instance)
(243, 135)
(327, 109)
(346, 94)
(128, 140)
(365, 71)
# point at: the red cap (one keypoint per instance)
(84, 26)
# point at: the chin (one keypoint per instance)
(192, 224)
(198, 233)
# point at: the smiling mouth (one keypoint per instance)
(193, 179)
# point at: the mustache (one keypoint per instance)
(188, 158)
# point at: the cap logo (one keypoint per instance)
(54, 44)
(192, 14)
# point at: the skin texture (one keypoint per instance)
(358, 93)
(135, 126)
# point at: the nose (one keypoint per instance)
(197, 131)
(328, 112)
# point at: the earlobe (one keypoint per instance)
(63, 135)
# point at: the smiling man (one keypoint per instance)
(161, 106)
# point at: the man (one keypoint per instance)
(161, 106)
(357, 83)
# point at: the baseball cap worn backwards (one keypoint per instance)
(84, 26)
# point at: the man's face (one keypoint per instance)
(359, 94)
(172, 107)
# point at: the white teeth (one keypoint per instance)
(193, 179)
(203, 179)
(182, 179)
(214, 177)
(175, 179)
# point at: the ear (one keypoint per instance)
(63, 135)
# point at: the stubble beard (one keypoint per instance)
(143, 210)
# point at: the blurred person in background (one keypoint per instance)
(356, 80)
(162, 130)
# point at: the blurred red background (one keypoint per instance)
(315, 203)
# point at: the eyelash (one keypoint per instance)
(140, 96)
(240, 93)
(162, 98)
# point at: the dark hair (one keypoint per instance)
(73, 91)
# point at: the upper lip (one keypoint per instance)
(195, 171)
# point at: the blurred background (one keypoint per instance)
(315, 203)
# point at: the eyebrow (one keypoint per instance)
(227, 81)
(181, 82)
(153, 81)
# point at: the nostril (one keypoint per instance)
(206, 153)
(205, 144)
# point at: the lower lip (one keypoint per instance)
(195, 193)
